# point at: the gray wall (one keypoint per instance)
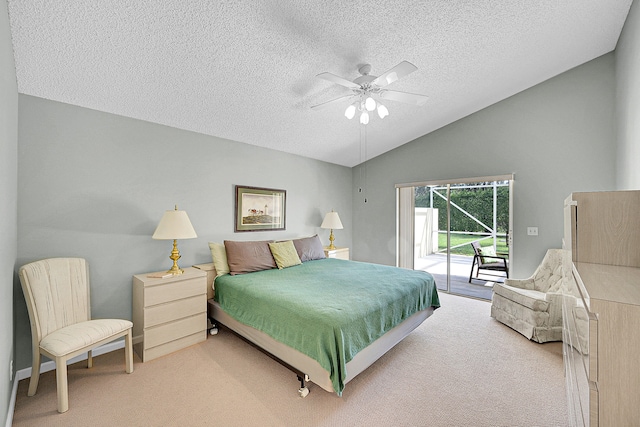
(95, 185)
(8, 205)
(557, 137)
(628, 102)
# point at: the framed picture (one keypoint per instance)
(259, 209)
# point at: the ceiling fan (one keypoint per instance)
(367, 87)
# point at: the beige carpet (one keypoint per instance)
(459, 368)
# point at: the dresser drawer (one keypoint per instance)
(171, 291)
(172, 331)
(167, 312)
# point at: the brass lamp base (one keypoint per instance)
(175, 256)
(331, 239)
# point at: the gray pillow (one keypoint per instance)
(309, 248)
(246, 257)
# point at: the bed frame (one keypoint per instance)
(306, 368)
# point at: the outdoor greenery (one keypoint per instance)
(466, 249)
(478, 202)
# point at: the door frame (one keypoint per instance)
(405, 218)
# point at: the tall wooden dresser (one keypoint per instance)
(601, 324)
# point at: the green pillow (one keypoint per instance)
(285, 254)
(219, 256)
(488, 251)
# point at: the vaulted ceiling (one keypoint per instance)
(245, 70)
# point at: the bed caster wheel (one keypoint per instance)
(304, 391)
(213, 331)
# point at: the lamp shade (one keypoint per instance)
(332, 220)
(174, 225)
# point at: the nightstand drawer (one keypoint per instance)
(171, 291)
(175, 330)
(170, 347)
(339, 253)
(163, 313)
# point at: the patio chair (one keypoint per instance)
(488, 261)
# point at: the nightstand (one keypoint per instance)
(340, 253)
(168, 313)
(210, 271)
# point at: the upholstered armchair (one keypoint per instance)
(533, 306)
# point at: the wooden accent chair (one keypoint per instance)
(56, 291)
(489, 262)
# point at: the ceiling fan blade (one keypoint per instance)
(406, 97)
(397, 72)
(333, 101)
(338, 80)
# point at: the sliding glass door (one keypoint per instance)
(439, 223)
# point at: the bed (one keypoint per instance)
(325, 319)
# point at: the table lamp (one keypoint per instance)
(174, 225)
(331, 221)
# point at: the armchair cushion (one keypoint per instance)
(529, 298)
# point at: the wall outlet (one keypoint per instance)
(532, 231)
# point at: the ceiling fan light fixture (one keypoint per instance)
(365, 87)
(350, 112)
(370, 104)
(382, 111)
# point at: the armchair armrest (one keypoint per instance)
(555, 307)
(503, 258)
(521, 283)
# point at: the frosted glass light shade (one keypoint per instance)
(350, 112)
(174, 225)
(364, 118)
(370, 104)
(382, 111)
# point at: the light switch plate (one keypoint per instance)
(532, 231)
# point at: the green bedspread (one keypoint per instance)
(328, 309)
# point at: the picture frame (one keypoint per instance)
(260, 209)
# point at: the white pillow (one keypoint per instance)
(219, 255)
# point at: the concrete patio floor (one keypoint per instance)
(436, 264)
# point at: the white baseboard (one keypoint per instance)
(12, 403)
(50, 366)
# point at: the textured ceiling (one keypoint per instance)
(245, 69)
